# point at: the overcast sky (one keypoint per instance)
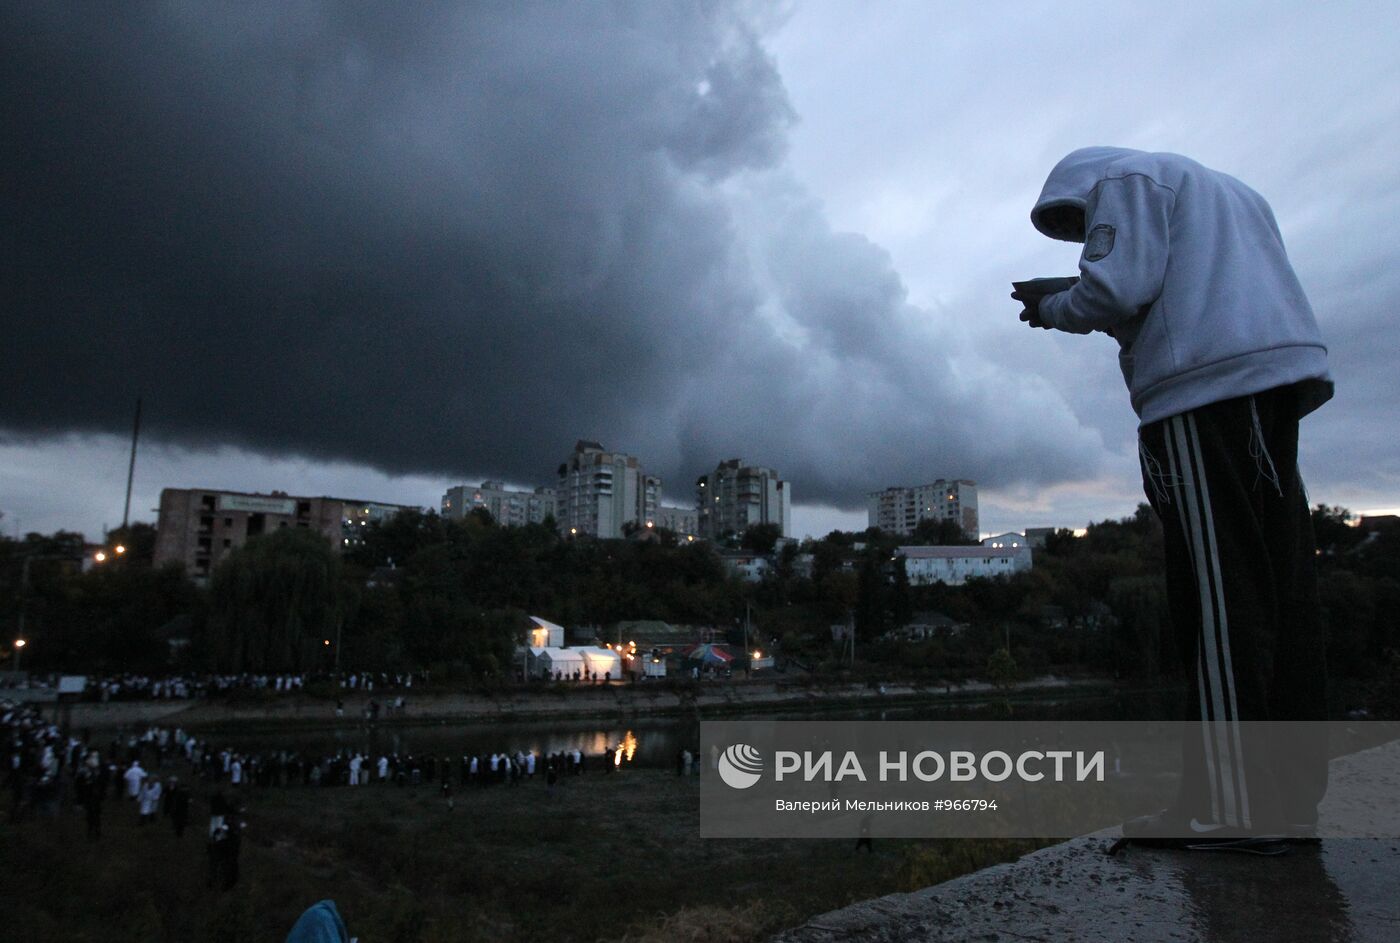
(374, 250)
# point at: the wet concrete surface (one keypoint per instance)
(1344, 889)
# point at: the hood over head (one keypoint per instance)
(1059, 213)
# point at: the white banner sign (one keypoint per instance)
(255, 505)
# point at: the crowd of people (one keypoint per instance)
(149, 774)
(48, 770)
(190, 686)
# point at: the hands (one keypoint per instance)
(1033, 291)
(1031, 312)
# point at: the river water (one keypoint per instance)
(654, 741)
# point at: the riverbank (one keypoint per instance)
(602, 856)
(573, 702)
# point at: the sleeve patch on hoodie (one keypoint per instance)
(1100, 242)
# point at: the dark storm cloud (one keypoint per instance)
(447, 238)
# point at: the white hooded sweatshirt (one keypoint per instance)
(1186, 268)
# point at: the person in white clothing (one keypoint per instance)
(150, 800)
(134, 776)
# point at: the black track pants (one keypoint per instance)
(1242, 588)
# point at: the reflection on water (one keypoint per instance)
(649, 742)
(626, 750)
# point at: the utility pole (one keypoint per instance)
(131, 465)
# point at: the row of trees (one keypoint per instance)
(423, 591)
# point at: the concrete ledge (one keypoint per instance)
(1342, 890)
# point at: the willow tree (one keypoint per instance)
(274, 603)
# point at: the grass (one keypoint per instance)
(609, 857)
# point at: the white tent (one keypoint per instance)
(602, 661)
(551, 659)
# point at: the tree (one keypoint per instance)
(1143, 635)
(761, 538)
(398, 538)
(1002, 670)
(940, 532)
(138, 541)
(274, 602)
(1334, 530)
(882, 597)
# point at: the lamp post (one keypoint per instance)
(23, 592)
(748, 660)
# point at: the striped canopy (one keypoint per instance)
(710, 654)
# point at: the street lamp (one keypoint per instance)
(19, 650)
(100, 556)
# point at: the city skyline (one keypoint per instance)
(384, 251)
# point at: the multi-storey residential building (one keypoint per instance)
(198, 527)
(899, 510)
(356, 515)
(682, 521)
(955, 565)
(600, 491)
(506, 507)
(736, 496)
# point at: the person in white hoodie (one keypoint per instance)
(1185, 267)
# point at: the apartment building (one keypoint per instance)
(736, 496)
(510, 508)
(600, 491)
(198, 527)
(683, 521)
(899, 510)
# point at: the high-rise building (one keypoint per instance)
(600, 491)
(682, 521)
(506, 507)
(899, 510)
(736, 496)
(198, 527)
